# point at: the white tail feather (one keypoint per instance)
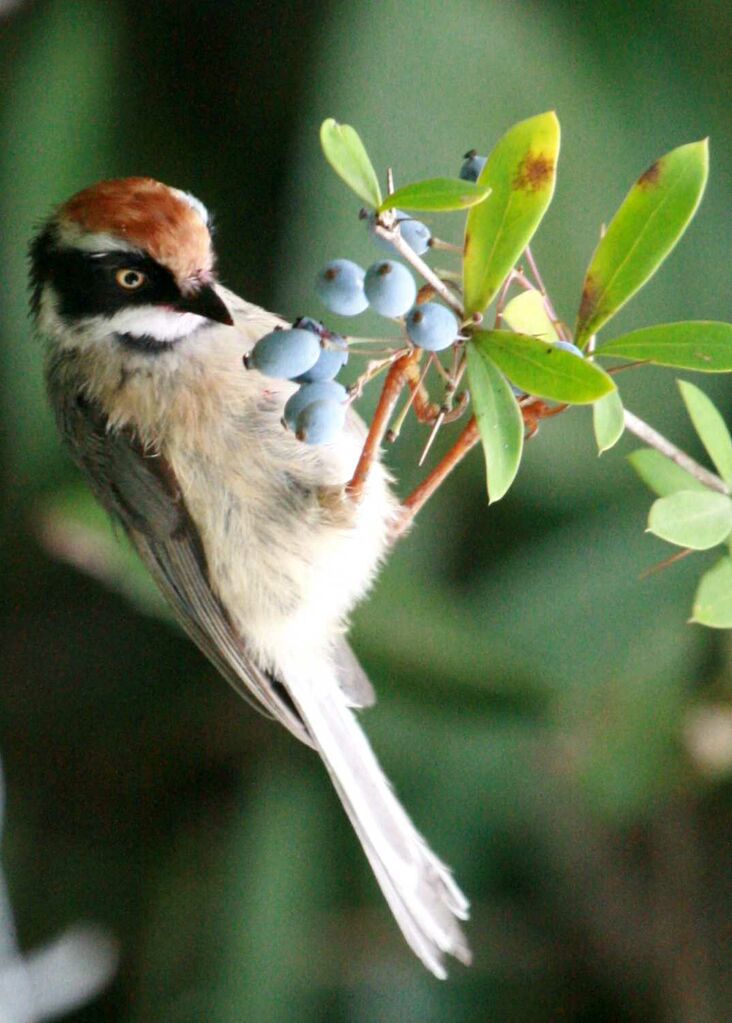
(419, 888)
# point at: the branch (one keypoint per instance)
(660, 443)
(407, 253)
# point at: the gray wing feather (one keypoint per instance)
(140, 490)
(353, 680)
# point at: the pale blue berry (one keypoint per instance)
(321, 421)
(431, 326)
(340, 287)
(390, 288)
(285, 353)
(333, 353)
(416, 234)
(567, 346)
(322, 390)
(330, 362)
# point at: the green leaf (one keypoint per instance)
(642, 233)
(543, 369)
(499, 421)
(608, 421)
(713, 601)
(660, 474)
(436, 194)
(690, 518)
(701, 345)
(711, 428)
(526, 314)
(347, 155)
(520, 172)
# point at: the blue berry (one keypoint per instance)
(308, 323)
(432, 326)
(416, 234)
(567, 346)
(390, 288)
(333, 353)
(321, 421)
(285, 353)
(322, 390)
(330, 362)
(472, 166)
(340, 287)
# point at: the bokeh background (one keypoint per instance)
(556, 728)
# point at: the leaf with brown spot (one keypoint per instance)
(642, 233)
(520, 173)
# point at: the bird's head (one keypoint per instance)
(129, 259)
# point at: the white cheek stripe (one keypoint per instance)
(162, 324)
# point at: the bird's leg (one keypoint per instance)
(396, 380)
(421, 494)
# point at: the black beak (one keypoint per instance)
(205, 302)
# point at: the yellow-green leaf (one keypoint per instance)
(499, 419)
(436, 194)
(347, 155)
(704, 346)
(608, 421)
(543, 369)
(713, 601)
(642, 233)
(711, 428)
(660, 474)
(521, 172)
(692, 518)
(526, 314)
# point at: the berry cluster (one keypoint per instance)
(312, 356)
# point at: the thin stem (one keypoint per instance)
(656, 440)
(407, 253)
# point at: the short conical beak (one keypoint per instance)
(205, 302)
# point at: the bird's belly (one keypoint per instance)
(287, 554)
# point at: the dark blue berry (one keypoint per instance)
(472, 166)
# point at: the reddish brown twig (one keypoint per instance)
(396, 380)
(467, 440)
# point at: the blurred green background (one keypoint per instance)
(558, 731)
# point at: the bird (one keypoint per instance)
(249, 533)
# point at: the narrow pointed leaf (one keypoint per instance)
(526, 314)
(713, 601)
(711, 428)
(347, 155)
(660, 474)
(436, 194)
(690, 518)
(520, 172)
(701, 345)
(543, 369)
(608, 421)
(499, 421)
(642, 233)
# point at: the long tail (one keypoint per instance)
(419, 888)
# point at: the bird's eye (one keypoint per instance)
(130, 280)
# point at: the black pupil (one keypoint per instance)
(132, 278)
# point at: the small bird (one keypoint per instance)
(247, 531)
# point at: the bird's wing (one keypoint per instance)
(140, 490)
